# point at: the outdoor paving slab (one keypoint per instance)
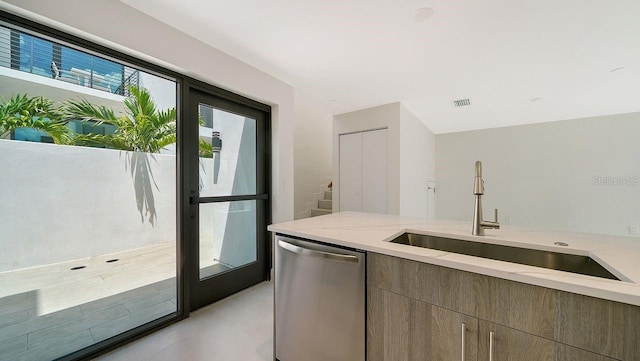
(13, 331)
(143, 303)
(120, 298)
(168, 283)
(40, 322)
(11, 319)
(50, 310)
(18, 302)
(117, 326)
(13, 346)
(51, 335)
(64, 346)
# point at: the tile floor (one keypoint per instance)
(238, 328)
(57, 287)
(47, 312)
(50, 311)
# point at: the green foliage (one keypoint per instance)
(143, 128)
(205, 149)
(22, 111)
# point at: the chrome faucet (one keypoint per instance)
(478, 190)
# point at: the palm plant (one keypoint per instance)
(22, 111)
(143, 128)
(205, 149)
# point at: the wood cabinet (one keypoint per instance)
(451, 333)
(499, 343)
(388, 325)
(416, 311)
(404, 329)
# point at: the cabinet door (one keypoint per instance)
(388, 325)
(350, 172)
(509, 344)
(568, 353)
(595, 325)
(454, 336)
(403, 329)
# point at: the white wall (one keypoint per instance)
(544, 175)
(417, 164)
(312, 154)
(162, 91)
(123, 28)
(384, 116)
(61, 203)
(224, 234)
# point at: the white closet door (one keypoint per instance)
(351, 172)
(374, 171)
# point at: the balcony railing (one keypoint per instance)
(31, 54)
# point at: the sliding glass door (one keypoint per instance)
(88, 190)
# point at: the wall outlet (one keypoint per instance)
(634, 230)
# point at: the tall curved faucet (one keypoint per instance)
(478, 190)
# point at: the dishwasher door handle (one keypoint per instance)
(346, 258)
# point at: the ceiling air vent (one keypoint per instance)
(461, 102)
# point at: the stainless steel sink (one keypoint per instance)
(553, 260)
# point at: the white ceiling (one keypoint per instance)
(348, 55)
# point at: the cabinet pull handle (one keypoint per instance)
(464, 327)
(491, 334)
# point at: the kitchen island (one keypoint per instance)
(425, 304)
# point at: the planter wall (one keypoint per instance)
(61, 203)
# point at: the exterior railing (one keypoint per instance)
(31, 54)
(131, 77)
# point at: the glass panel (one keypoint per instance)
(227, 236)
(42, 57)
(88, 225)
(26, 44)
(227, 153)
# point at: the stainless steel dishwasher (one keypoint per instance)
(319, 302)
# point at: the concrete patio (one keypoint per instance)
(47, 312)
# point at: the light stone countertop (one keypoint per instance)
(372, 232)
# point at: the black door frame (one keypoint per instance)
(183, 209)
(203, 292)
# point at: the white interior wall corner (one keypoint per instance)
(417, 164)
(312, 154)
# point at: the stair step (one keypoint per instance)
(319, 212)
(325, 204)
(328, 195)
